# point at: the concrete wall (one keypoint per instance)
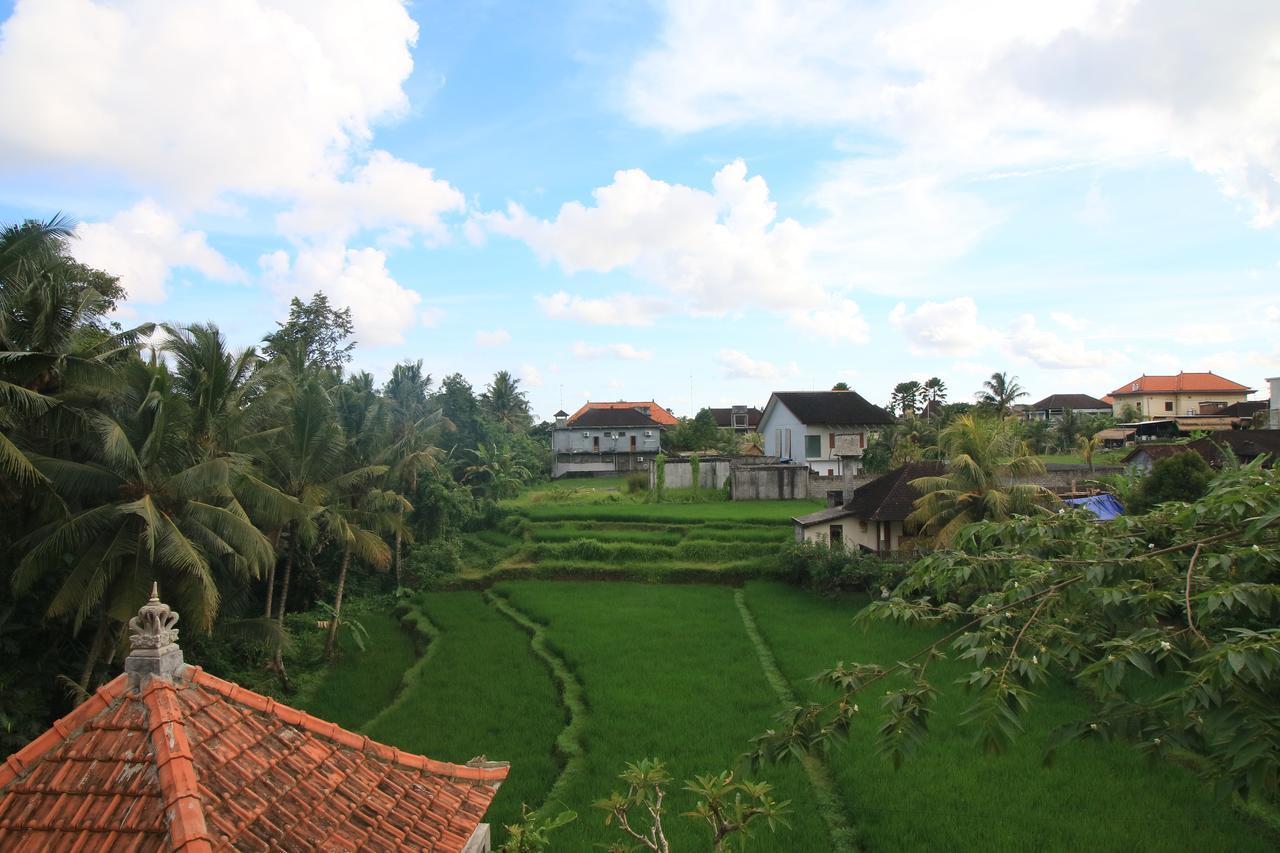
(614, 440)
(598, 463)
(770, 482)
(679, 473)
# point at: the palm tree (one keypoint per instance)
(935, 391)
(1000, 392)
(145, 512)
(505, 402)
(217, 382)
(354, 520)
(985, 459)
(1088, 445)
(495, 471)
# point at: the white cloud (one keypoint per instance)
(620, 309)
(1273, 313)
(1028, 340)
(715, 250)
(494, 338)
(1205, 333)
(530, 375)
(842, 322)
(977, 88)
(1067, 321)
(383, 193)
(739, 365)
(942, 328)
(142, 245)
(200, 98)
(382, 310)
(625, 352)
(431, 316)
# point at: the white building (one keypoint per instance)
(827, 430)
(1274, 382)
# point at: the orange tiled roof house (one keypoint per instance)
(1180, 395)
(169, 757)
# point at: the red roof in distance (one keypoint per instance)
(1182, 383)
(650, 408)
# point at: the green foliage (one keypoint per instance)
(695, 473)
(315, 334)
(636, 483)
(533, 834)
(1181, 477)
(1168, 618)
(837, 568)
(660, 478)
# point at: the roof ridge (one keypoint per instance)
(483, 771)
(17, 764)
(175, 769)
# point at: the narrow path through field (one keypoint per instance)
(569, 741)
(843, 835)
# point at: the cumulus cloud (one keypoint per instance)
(201, 98)
(843, 322)
(530, 375)
(713, 250)
(382, 309)
(1027, 339)
(620, 309)
(739, 365)
(942, 328)
(382, 193)
(494, 338)
(625, 352)
(142, 245)
(1067, 321)
(977, 88)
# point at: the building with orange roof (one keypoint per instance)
(169, 757)
(648, 408)
(1180, 396)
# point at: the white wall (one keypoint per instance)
(857, 532)
(779, 418)
(1275, 401)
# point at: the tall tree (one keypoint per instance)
(985, 459)
(1000, 392)
(323, 332)
(503, 401)
(906, 398)
(935, 391)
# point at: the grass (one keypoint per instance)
(1100, 458)
(670, 673)
(482, 692)
(952, 797)
(357, 685)
(736, 512)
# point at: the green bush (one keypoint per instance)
(636, 483)
(837, 568)
(1181, 477)
(435, 560)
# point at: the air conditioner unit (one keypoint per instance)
(586, 434)
(648, 433)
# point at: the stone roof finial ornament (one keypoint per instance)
(153, 638)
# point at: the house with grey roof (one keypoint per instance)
(826, 430)
(603, 441)
(874, 518)
(1053, 407)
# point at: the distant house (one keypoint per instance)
(827, 430)
(606, 440)
(1274, 382)
(874, 517)
(1051, 408)
(1144, 457)
(1183, 396)
(645, 407)
(1115, 438)
(1247, 411)
(740, 419)
(1246, 444)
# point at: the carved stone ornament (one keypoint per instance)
(153, 627)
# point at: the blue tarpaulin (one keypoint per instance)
(1104, 506)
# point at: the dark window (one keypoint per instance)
(1168, 406)
(812, 446)
(836, 534)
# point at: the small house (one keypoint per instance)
(1053, 407)
(874, 517)
(606, 439)
(827, 430)
(1182, 396)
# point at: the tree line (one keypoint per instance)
(247, 482)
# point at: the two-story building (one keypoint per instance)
(604, 440)
(827, 430)
(1185, 395)
(739, 419)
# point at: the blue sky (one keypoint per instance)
(697, 202)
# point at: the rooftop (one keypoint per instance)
(169, 757)
(724, 417)
(647, 407)
(595, 418)
(831, 407)
(1182, 383)
(1075, 402)
(889, 497)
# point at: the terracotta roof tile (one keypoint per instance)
(198, 763)
(1182, 383)
(648, 407)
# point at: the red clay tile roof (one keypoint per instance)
(1183, 383)
(650, 408)
(198, 763)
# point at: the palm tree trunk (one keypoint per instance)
(95, 652)
(398, 536)
(271, 574)
(337, 605)
(278, 663)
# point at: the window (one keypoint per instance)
(812, 446)
(1168, 405)
(739, 421)
(831, 441)
(836, 534)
